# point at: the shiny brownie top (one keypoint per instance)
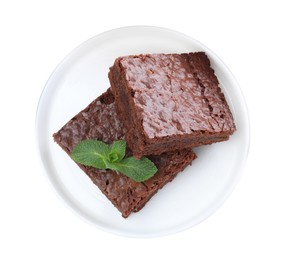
(176, 94)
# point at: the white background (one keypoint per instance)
(36, 35)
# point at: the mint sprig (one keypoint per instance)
(103, 156)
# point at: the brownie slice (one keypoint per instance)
(100, 121)
(169, 101)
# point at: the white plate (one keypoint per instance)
(195, 194)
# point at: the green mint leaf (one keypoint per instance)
(138, 170)
(113, 157)
(117, 151)
(91, 153)
(103, 156)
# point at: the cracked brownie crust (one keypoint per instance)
(100, 121)
(169, 101)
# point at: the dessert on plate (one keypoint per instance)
(169, 101)
(162, 105)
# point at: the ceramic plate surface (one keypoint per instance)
(195, 194)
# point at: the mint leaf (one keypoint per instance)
(117, 151)
(138, 170)
(91, 153)
(103, 156)
(113, 157)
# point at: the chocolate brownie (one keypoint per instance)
(169, 101)
(100, 121)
